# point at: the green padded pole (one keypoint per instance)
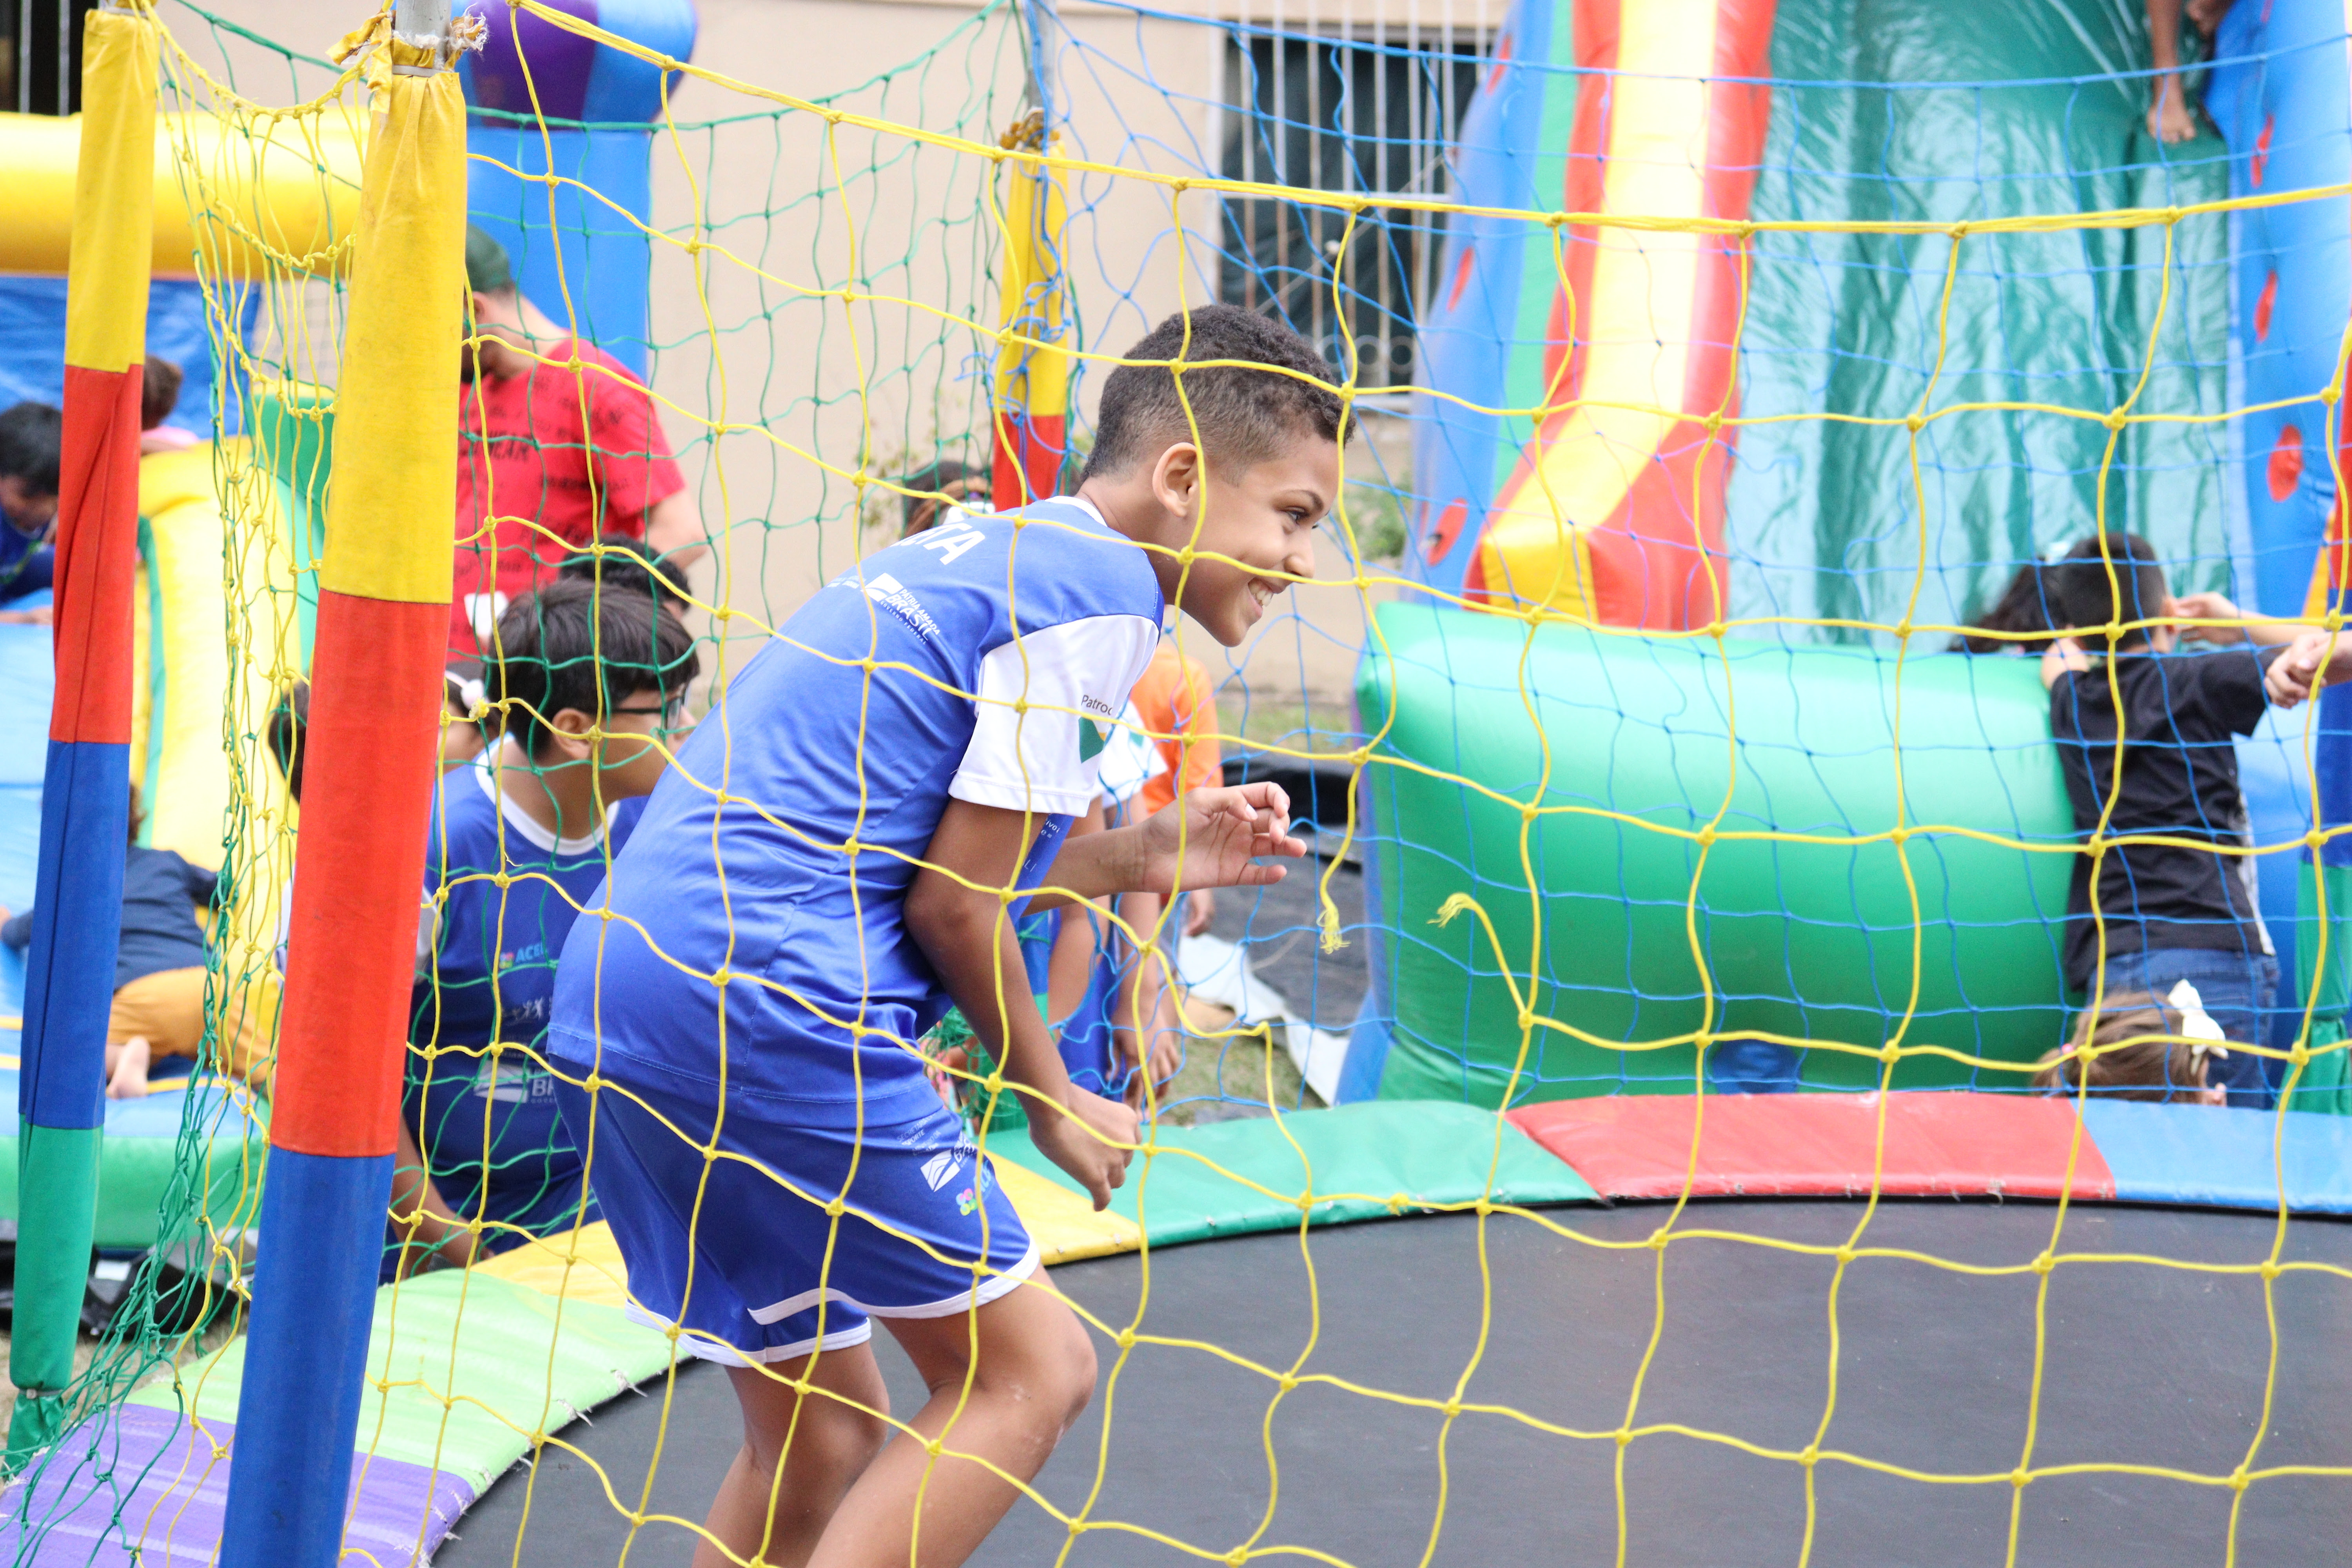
(52, 1263)
(2326, 1081)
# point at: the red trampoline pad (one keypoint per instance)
(1946, 1144)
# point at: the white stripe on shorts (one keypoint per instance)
(702, 1347)
(962, 1302)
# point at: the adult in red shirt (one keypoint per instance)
(550, 455)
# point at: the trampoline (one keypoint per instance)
(2144, 1364)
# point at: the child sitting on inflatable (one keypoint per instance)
(2166, 913)
(484, 1161)
(820, 877)
(159, 972)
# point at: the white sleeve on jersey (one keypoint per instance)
(1048, 703)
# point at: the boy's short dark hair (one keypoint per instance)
(626, 563)
(32, 434)
(2087, 601)
(159, 391)
(1245, 416)
(546, 656)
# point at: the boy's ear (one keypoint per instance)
(567, 735)
(1176, 479)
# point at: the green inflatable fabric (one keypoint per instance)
(1801, 940)
(1823, 519)
(1394, 1158)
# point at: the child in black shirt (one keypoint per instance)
(2167, 912)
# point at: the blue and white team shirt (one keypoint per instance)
(985, 661)
(488, 1125)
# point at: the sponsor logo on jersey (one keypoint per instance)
(510, 1083)
(894, 597)
(941, 1169)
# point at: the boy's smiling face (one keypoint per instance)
(1255, 534)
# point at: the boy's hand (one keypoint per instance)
(2210, 607)
(1214, 837)
(2306, 665)
(1087, 1142)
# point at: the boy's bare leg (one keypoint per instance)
(822, 1455)
(126, 1068)
(1034, 1373)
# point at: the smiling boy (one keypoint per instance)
(818, 879)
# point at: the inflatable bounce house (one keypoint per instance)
(1708, 905)
(1680, 486)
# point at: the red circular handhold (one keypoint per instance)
(1449, 527)
(2260, 160)
(2286, 463)
(2263, 306)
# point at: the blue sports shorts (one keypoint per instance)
(923, 1233)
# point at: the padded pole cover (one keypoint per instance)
(85, 793)
(384, 585)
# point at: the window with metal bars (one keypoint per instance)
(40, 55)
(1355, 112)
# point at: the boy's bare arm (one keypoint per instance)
(2314, 659)
(1207, 838)
(956, 915)
(2217, 608)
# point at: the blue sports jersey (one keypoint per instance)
(487, 1125)
(838, 749)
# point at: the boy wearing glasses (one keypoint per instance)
(587, 688)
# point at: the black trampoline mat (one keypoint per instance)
(2144, 1364)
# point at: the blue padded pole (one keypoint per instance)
(313, 1302)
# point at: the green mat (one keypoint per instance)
(1389, 1157)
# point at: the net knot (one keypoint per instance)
(1026, 134)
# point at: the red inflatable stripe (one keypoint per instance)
(1948, 1144)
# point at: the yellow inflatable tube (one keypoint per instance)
(224, 188)
(218, 638)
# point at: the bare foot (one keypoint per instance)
(126, 1070)
(2168, 118)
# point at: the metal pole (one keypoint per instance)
(376, 682)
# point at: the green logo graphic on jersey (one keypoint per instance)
(1091, 738)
